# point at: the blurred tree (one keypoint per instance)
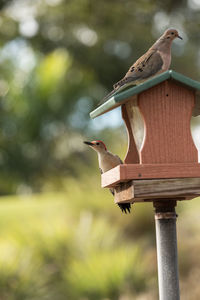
(58, 59)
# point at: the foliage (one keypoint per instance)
(50, 251)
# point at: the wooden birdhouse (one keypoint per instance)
(161, 160)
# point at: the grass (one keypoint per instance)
(77, 245)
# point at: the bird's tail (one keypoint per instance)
(125, 207)
(106, 97)
(120, 86)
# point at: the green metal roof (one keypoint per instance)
(120, 97)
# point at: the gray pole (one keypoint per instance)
(166, 241)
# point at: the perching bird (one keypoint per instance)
(107, 161)
(156, 60)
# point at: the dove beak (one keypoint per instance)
(178, 36)
(88, 143)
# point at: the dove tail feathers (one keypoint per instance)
(119, 86)
(106, 97)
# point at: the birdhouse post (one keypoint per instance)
(161, 164)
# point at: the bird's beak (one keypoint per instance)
(88, 143)
(178, 36)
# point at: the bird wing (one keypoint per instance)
(121, 162)
(146, 66)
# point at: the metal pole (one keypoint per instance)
(167, 257)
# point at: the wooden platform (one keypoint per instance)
(161, 189)
(127, 172)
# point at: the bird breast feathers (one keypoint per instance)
(108, 161)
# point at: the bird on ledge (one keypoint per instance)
(107, 161)
(155, 61)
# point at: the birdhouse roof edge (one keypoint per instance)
(121, 97)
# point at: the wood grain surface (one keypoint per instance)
(143, 190)
(167, 110)
(127, 172)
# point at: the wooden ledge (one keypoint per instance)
(162, 189)
(127, 172)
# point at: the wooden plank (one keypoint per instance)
(149, 190)
(159, 188)
(167, 110)
(132, 155)
(128, 172)
(124, 192)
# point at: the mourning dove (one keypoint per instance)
(156, 60)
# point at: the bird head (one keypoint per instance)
(171, 34)
(98, 146)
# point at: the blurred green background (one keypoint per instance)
(61, 235)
